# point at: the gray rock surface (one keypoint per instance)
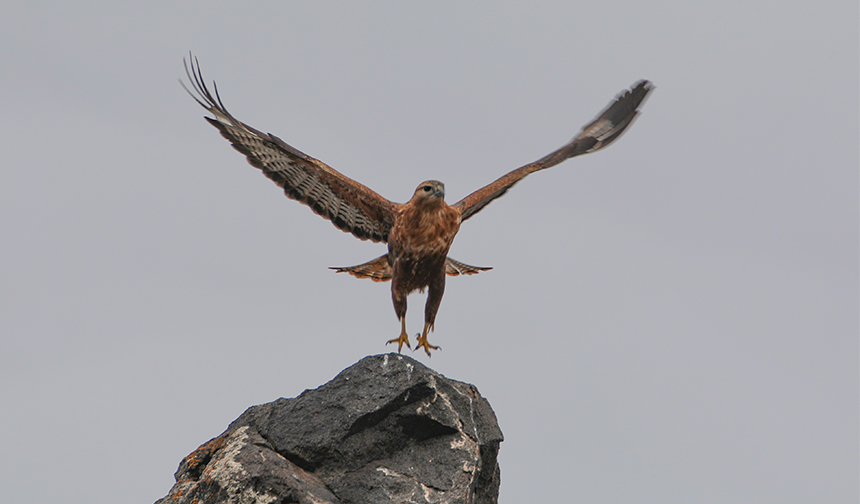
(386, 429)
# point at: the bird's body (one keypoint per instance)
(418, 246)
(420, 232)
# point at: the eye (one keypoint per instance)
(427, 188)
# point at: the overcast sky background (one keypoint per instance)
(671, 320)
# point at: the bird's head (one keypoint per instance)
(430, 191)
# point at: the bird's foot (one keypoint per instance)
(423, 343)
(404, 338)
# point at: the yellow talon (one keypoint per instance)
(422, 341)
(404, 338)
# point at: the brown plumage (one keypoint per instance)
(419, 232)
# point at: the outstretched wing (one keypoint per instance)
(349, 205)
(599, 133)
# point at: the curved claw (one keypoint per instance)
(403, 338)
(427, 347)
(422, 341)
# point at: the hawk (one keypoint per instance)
(418, 232)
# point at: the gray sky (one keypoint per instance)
(671, 320)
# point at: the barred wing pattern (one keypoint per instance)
(349, 205)
(599, 133)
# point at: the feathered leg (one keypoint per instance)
(434, 299)
(400, 310)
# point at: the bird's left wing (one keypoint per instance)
(350, 206)
(599, 133)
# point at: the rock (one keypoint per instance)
(386, 429)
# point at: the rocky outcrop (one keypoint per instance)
(387, 429)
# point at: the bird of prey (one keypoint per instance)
(418, 232)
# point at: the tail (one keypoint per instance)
(379, 270)
(454, 268)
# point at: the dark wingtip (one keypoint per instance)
(200, 93)
(638, 93)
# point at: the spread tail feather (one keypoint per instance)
(454, 268)
(379, 270)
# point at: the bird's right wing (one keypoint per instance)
(350, 206)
